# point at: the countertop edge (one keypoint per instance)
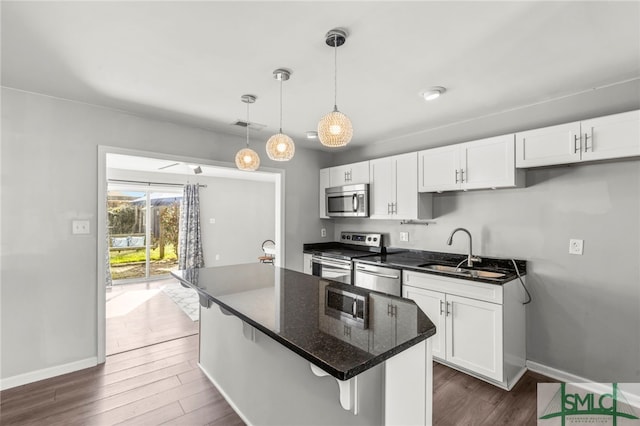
(340, 375)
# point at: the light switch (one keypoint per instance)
(212, 220)
(80, 227)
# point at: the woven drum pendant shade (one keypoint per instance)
(280, 147)
(247, 159)
(335, 129)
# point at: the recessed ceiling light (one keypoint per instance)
(433, 93)
(312, 135)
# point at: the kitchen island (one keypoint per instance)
(289, 348)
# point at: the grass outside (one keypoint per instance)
(131, 264)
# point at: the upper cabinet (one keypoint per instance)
(349, 174)
(394, 189)
(324, 184)
(612, 136)
(486, 163)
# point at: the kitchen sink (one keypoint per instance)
(475, 273)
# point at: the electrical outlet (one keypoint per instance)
(323, 232)
(575, 246)
(404, 236)
(212, 220)
(80, 227)
(217, 257)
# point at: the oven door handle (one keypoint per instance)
(324, 262)
(376, 274)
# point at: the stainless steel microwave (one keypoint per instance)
(347, 201)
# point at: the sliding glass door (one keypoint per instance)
(143, 232)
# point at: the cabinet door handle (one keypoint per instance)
(441, 307)
(576, 147)
(449, 311)
(586, 141)
(457, 171)
(388, 208)
(395, 208)
(461, 175)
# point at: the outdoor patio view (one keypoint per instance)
(130, 214)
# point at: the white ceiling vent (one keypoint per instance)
(252, 126)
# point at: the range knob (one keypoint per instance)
(344, 237)
(368, 238)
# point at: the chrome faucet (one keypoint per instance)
(470, 257)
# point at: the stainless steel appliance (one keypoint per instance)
(334, 262)
(347, 306)
(347, 201)
(378, 278)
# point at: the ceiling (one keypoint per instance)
(189, 62)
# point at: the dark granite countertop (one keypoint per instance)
(289, 307)
(412, 259)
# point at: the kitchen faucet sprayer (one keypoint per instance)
(470, 257)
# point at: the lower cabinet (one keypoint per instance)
(480, 327)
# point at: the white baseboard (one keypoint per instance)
(47, 373)
(225, 396)
(554, 373)
(631, 390)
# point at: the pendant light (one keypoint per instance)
(280, 147)
(335, 129)
(247, 159)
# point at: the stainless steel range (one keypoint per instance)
(333, 261)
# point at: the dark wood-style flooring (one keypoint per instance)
(161, 383)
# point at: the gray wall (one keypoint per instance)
(585, 312)
(49, 177)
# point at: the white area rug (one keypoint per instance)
(185, 298)
(121, 303)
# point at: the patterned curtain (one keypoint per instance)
(190, 238)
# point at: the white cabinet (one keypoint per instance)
(486, 163)
(393, 322)
(324, 184)
(480, 327)
(349, 174)
(307, 265)
(394, 189)
(474, 335)
(608, 137)
(432, 304)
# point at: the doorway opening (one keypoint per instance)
(141, 192)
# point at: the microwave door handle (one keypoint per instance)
(354, 202)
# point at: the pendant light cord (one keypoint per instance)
(335, 72)
(281, 103)
(248, 124)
